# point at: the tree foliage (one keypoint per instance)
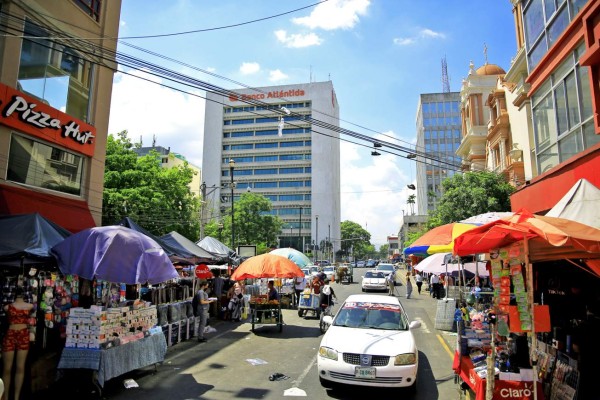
(252, 222)
(357, 238)
(469, 194)
(158, 199)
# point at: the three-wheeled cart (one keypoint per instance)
(345, 274)
(266, 313)
(309, 302)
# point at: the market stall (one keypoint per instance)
(265, 311)
(117, 336)
(520, 323)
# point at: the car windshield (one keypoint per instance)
(314, 270)
(328, 269)
(372, 274)
(371, 316)
(385, 267)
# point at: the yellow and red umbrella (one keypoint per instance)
(439, 239)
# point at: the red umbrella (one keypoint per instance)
(549, 238)
(203, 272)
(266, 266)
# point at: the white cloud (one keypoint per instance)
(298, 40)
(375, 187)
(277, 76)
(146, 109)
(420, 35)
(248, 68)
(335, 14)
(403, 41)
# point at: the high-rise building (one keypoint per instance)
(55, 91)
(284, 144)
(438, 138)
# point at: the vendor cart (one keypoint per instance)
(264, 312)
(344, 274)
(309, 302)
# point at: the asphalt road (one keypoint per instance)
(236, 363)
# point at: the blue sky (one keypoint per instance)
(379, 54)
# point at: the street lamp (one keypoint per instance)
(232, 186)
(317, 238)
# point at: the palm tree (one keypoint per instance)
(411, 203)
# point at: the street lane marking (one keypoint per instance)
(445, 346)
(297, 382)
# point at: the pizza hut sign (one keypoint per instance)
(28, 115)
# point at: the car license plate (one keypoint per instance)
(365, 372)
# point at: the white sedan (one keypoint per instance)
(373, 280)
(369, 343)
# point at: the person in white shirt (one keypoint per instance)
(434, 284)
(419, 281)
(299, 286)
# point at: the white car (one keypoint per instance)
(369, 343)
(329, 272)
(385, 268)
(373, 280)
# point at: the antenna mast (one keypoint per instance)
(445, 78)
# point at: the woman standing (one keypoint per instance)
(236, 301)
(419, 281)
(16, 342)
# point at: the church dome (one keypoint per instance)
(490, 69)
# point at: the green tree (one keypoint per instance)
(469, 194)
(411, 202)
(357, 238)
(158, 199)
(253, 224)
(384, 250)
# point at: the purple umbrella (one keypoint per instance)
(114, 254)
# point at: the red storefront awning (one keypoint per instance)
(73, 215)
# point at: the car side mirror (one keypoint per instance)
(414, 325)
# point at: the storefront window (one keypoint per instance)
(54, 73)
(570, 146)
(37, 164)
(548, 158)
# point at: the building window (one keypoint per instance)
(561, 108)
(545, 21)
(269, 145)
(55, 74)
(298, 170)
(265, 171)
(37, 164)
(91, 7)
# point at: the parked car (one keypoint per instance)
(369, 342)
(360, 264)
(371, 263)
(373, 280)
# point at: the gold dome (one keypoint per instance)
(490, 69)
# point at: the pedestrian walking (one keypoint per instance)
(391, 281)
(434, 284)
(409, 286)
(299, 286)
(419, 281)
(201, 311)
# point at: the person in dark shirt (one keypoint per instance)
(273, 294)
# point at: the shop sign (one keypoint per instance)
(275, 94)
(28, 115)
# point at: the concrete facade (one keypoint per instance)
(298, 170)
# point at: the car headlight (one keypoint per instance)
(405, 359)
(327, 352)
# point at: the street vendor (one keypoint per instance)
(272, 292)
(316, 284)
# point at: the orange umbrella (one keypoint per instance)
(266, 266)
(549, 238)
(439, 239)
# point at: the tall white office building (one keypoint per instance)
(296, 165)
